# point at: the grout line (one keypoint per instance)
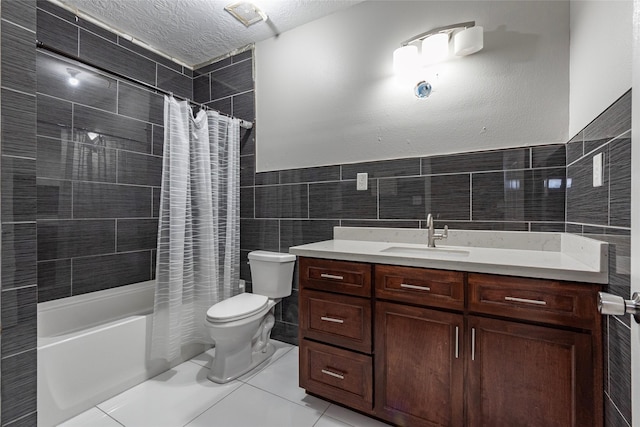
(217, 402)
(617, 409)
(597, 148)
(10, 89)
(621, 322)
(107, 414)
(13, 422)
(11, 156)
(19, 288)
(20, 353)
(46, 220)
(471, 196)
(95, 256)
(18, 25)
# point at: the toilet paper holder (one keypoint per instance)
(614, 305)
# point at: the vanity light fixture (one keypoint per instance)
(407, 62)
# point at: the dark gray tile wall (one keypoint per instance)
(604, 213)
(18, 297)
(80, 175)
(99, 162)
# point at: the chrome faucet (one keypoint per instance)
(432, 236)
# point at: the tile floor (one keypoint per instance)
(183, 396)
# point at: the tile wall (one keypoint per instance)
(18, 213)
(80, 174)
(605, 213)
(515, 189)
(99, 157)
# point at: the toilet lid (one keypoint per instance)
(237, 307)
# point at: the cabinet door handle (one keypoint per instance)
(473, 343)
(331, 276)
(457, 347)
(525, 300)
(332, 374)
(331, 319)
(420, 288)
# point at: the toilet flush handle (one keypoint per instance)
(609, 304)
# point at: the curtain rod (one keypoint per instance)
(40, 45)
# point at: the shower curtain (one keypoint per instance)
(198, 258)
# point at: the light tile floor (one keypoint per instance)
(184, 397)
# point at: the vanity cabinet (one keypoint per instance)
(451, 348)
(335, 331)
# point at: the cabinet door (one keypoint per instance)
(524, 375)
(418, 366)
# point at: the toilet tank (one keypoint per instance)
(271, 273)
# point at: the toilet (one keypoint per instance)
(241, 325)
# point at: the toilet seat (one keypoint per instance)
(235, 308)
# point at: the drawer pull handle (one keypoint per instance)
(526, 301)
(331, 319)
(457, 338)
(331, 276)
(420, 288)
(333, 374)
(473, 343)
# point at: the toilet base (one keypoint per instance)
(257, 359)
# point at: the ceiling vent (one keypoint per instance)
(246, 12)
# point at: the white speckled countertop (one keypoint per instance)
(559, 256)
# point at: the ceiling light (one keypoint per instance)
(73, 80)
(246, 12)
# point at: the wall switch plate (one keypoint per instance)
(362, 181)
(597, 170)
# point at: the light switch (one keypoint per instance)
(597, 170)
(362, 181)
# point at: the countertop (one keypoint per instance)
(559, 256)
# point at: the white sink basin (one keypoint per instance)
(425, 251)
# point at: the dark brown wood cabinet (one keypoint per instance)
(529, 376)
(335, 331)
(418, 365)
(447, 348)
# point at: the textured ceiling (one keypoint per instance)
(197, 31)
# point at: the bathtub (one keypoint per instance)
(92, 347)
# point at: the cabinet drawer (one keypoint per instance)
(336, 319)
(345, 277)
(559, 303)
(423, 286)
(339, 375)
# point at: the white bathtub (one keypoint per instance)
(92, 347)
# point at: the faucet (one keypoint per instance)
(432, 236)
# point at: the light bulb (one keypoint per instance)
(435, 48)
(468, 41)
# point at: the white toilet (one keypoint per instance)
(241, 325)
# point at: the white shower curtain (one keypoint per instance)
(198, 259)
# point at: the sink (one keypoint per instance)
(425, 251)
